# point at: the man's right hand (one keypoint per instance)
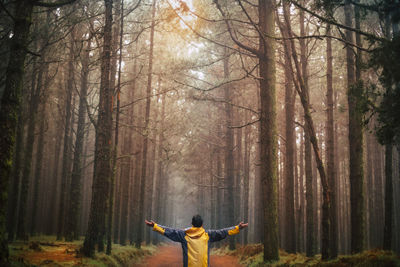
(149, 223)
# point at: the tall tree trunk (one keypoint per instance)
(310, 241)
(139, 226)
(219, 183)
(246, 179)
(212, 188)
(133, 189)
(55, 178)
(160, 185)
(74, 209)
(151, 176)
(237, 197)
(302, 195)
(355, 143)
(42, 99)
(330, 147)
(66, 162)
(289, 228)
(16, 175)
(9, 109)
(102, 168)
(229, 209)
(120, 11)
(126, 173)
(268, 141)
(302, 90)
(30, 138)
(387, 232)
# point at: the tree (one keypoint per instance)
(74, 207)
(330, 147)
(355, 142)
(229, 207)
(10, 104)
(290, 97)
(268, 142)
(66, 159)
(102, 166)
(143, 177)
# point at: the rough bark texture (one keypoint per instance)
(9, 110)
(40, 148)
(330, 148)
(15, 177)
(355, 143)
(72, 229)
(126, 174)
(66, 160)
(246, 180)
(387, 232)
(160, 185)
(289, 221)
(310, 240)
(268, 140)
(229, 207)
(22, 233)
(118, 31)
(102, 168)
(140, 225)
(134, 166)
(302, 90)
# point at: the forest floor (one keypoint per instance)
(252, 256)
(44, 251)
(168, 256)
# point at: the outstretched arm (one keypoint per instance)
(176, 235)
(217, 235)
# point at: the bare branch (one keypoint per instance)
(53, 4)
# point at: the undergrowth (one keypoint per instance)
(45, 251)
(252, 256)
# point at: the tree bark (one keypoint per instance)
(42, 99)
(290, 233)
(330, 147)
(387, 232)
(229, 207)
(66, 161)
(160, 185)
(36, 88)
(74, 209)
(310, 240)
(9, 109)
(134, 166)
(268, 141)
(355, 144)
(102, 168)
(302, 90)
(16, 175)
(139, 226)
(246, 180)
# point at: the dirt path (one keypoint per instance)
(172, 256)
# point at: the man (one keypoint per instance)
(195, 240)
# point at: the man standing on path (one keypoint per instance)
(195, 240)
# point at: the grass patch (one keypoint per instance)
(252, 255)
(45, 251)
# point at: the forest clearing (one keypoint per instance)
(249, 132)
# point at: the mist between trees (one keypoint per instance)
(284, 114)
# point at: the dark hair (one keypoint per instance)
(197, 221)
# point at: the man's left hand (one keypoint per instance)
(243, 225)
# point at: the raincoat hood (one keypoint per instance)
(195, 232)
